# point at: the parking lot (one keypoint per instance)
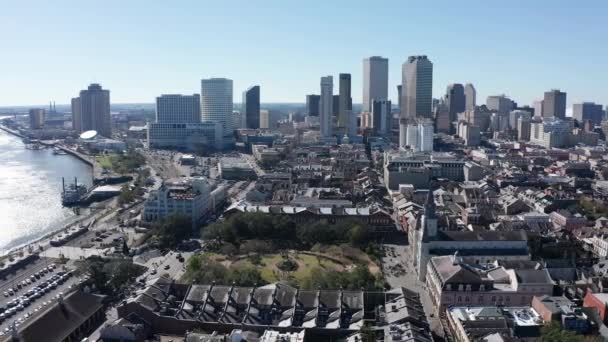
(31, 291)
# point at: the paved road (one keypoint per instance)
(157, 266)
(400, 272)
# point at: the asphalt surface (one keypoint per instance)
(38, 305)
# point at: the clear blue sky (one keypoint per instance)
(140, 49)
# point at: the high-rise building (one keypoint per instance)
(470, 95)
(37, 116)
(417, 82)
(554, 104)
(326, 106)
(538, 108)
(251, 107)
(523, 128)
(588, 111)
(335, 107)
(265, 119)
(516, 115)
(216, 102)
(418, 135)
(551, 132)
(375, 81)
(471, 134)
(312, 105)
(425, 135)
(399, 95)
(76, 117)
(455, 100)
(178, 108)
(345, 103)
(499, 103)
(94, 104)
(443, 124)
(381, 116)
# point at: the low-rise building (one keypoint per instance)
(190, 197)
(185, 136)
(453, 282)
(564, 311)
(469, 324)
(231, 168)
(174, 308)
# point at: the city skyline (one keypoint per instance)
(497, 65)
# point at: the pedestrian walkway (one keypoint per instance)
(73, 253)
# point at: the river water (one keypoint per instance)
(30, 191)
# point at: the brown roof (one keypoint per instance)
(60, 321)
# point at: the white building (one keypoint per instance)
(194, 197)
(411, 136)
(326, 106)
(551, 132)
(176, 108)
(375, 81)
(425, 136)
(418, 136)
(216, 102)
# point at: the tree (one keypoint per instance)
(553, 332)
(173, 230)
(246, 276)
(359, 235)
(126, 195)
(110, 277)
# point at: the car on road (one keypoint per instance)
(20, 307)
(6, 294)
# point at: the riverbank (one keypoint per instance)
(11, 131)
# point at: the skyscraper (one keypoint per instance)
(375, 81)
(442, 118)
(94, 105)
(499, 103)
(588, 111)
(470, 95)
(216, 102)
(381, 116)
(455, 100)
(251, 107)
(76, 117)
(36, 116)
(178, 108)
(326, 106)
(523, 128)
(554, 104)
(335, 108)
(312, 105)
(538, 108)
(345, 102)
(417, 83)
(399, 95)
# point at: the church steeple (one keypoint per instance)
(429, 218)
(429, 205)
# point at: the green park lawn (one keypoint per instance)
(306, 263)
